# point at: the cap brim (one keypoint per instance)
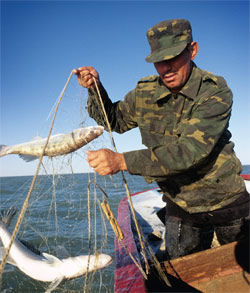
(165, 54)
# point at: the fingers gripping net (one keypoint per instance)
(55, 214)
(59, 211)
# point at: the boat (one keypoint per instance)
(219, 269)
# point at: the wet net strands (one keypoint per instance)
(114, 223)
(25, 204)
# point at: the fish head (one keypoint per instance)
(91, 131)
(100, 261)
(79, 265)
(94, 262)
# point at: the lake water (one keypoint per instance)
(57, 215)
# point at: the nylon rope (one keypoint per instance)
(124, 180)
(89, 243)
(142, 239)
(25, 204)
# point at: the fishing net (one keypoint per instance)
(63, 215)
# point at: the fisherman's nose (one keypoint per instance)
(163, 66)
(167, 66)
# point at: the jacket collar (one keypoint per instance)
(190, 89)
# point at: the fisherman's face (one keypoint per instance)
(175, 72)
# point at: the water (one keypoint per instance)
(57, 215)
(246, 169)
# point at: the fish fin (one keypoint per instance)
(51, 258)
(62, 252)
(30, 246)
(54, 284)
(10, 260)
(8, 215)
(28, 158)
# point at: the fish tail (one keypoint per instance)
(3, 150)
(8, 215)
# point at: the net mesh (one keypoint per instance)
(63, 216)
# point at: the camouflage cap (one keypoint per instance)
(168, 39)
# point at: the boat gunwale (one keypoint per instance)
(125, 269)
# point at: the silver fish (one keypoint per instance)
(46, 267)
(59, 144)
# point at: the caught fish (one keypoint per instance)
(59, 144)
(46, 267)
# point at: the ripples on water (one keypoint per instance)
(47, 225)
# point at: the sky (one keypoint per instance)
(43, 41)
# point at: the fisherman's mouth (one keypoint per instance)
(169, 77)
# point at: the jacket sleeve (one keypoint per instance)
(120, 114)
(197, 138)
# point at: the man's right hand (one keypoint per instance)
(85, 76)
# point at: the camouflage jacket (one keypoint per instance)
(189, 153)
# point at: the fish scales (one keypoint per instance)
(59, 144)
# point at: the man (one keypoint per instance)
(183, 115)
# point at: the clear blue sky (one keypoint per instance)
(42, 41)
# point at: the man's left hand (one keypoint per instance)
(106, 162)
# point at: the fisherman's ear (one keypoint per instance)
(194, 48)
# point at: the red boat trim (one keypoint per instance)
(144, 191)
(245, 176)
(128, 277)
